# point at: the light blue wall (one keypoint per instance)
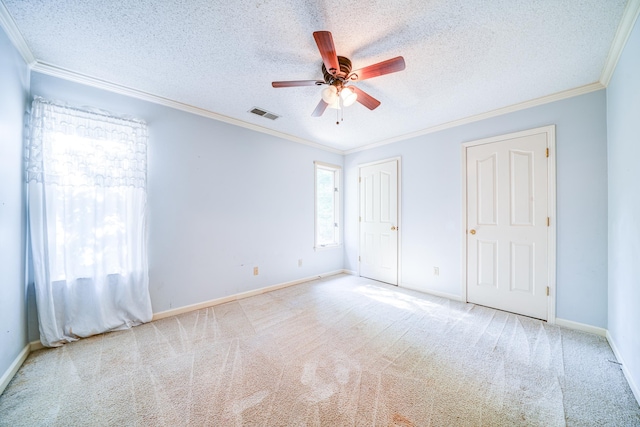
(623, 125)
(432, 202)
(14, 91)
(221, 200)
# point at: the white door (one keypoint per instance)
(507, 224)
(379, 221)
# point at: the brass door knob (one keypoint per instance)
(393, 228)
(472, 231)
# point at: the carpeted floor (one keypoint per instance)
(342, 351)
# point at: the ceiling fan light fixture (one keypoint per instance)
(348, 96)
(330, 95)
(335, 104)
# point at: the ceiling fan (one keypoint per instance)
(337, 74)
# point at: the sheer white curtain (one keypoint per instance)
(86, 182)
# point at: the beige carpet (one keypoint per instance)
(342, 351)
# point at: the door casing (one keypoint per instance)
(550, 132)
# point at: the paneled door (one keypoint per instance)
(508, 224)
(379, 221)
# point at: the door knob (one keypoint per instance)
(472, 231)
(393, 228)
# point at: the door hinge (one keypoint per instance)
(548, 221)
(335, 189)
(547, 291)
(359, 219)
(359, 179)
(358, 258)
(547, 152)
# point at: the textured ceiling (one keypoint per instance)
(463, 57)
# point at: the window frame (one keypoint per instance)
(337, 183)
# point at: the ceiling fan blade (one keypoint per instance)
(365, 99)
(293, 83)
(381, 68)
(324, 40)
(320, 109)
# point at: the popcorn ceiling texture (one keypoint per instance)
(343, 351)
(464, 57)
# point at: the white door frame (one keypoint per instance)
(550, 131)
(377, 162)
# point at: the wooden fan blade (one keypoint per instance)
(365, 99)
(381, 68)
(324, 40)
(293, 83)
(320, 109)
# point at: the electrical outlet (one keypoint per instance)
(436, 271)
(300, 262)
(255, 271)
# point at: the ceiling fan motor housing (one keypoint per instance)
(340, 76)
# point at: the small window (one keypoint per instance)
(327, 223)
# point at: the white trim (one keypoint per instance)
(498, 112)
(36, 345)
(13, 368)
(553, 230)
(10, 27)
(235, 297)
(350, 272)
(327, 247)
(337, 205)
(629, 17)
(400, 227)
(398, 159)
(463, 246)
(570, 324)
(62, 73)
(73, 76)
(446, 295)
(550, 132)
(634, 387)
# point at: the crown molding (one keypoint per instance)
(52, 70)
(73, 76)
(10, 27)
(494, 113)
(629, 17)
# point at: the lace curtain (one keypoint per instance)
(86, 181)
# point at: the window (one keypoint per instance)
(327, 203)
(86, 179)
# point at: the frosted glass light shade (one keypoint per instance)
(348, 96)
(330, 95)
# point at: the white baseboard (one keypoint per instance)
(432, 292)
(13, 368)
(222, 300)
(350, 272)
(634, 387)
(581, 327)
(36, 345)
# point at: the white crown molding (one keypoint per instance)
(499, 112)
(62, 73)
(629, 17)
(10, 27)
(73, 76)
